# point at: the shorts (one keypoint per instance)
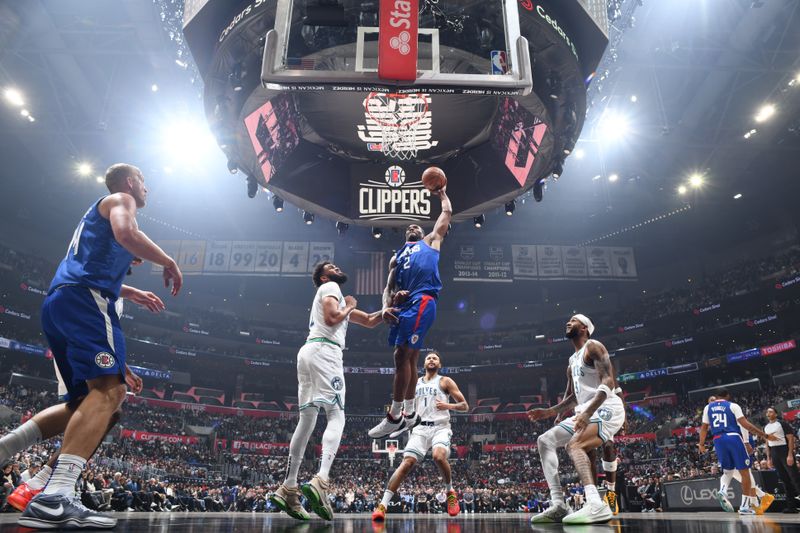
(320, 375)
(423, 438)
(414, 322)
(731, 452)
(609, 417)
(82, 328)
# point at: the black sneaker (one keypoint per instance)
(53, 511)
(409, 422)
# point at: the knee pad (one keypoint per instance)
(609, 466)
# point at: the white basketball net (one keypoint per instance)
(397, 117)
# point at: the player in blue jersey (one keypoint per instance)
(725, 420)
(413, 286)
(82, 328)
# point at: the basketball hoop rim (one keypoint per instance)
(394, 95)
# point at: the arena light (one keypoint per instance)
(479, 221)
(14, 97)
(634, 98)
(613, 126)
(308, 218)
(232, 167)
(510, 207)
(750, 133)
(580, 153)
(539, 337)
(277, 203)
(558, 169)
(99, 179)
(737, 196)
(377, 233)
(252, 187)
(187, 142)
(765, 112)
(613, 177)
(682, 189)
(84, 169)
(154, 88)
(696, 180)
(25, 112)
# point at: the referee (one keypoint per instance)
(781, 457)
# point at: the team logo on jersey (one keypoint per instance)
(604, 414)
(414, 338)
(104, 360)
(337, 383)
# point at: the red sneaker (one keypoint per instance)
(379, 514)
(452, 503)
(21, 496)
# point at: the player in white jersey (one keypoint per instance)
(599, 414)
(433, 432)
(320, 376)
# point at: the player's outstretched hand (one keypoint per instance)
(173, 273)
(389, 315)
(134, 382)
(147, 299)
(539, 414)
(701, 448)
(441, 191)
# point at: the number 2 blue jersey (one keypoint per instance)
(417, 270)
(723, 416)
(94, 258)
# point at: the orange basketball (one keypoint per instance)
(433, 178)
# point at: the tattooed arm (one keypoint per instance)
(602, 363)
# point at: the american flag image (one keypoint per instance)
(300, 63)
(371, 273)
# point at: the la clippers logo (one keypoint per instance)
(104, 360)
(400, 43)
(395, 176)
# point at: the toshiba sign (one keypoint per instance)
(397, 39)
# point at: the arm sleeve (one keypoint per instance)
(737, 411)
(705, 415)
(330, 289)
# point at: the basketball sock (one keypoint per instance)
(448, 487)
(387, 497)
(592, 495)
(19, 439)
(395, 409)
(760, 493)
(610, 486)
(40, 480)
(330, 440)
(65, 475)
(546, 444)
(408, 407)
(745, 502)
(297, 447)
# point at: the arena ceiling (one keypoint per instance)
(699, 71)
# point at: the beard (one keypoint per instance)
(571, 334)
(414, 237)
(341, 279)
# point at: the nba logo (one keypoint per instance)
(499, 62)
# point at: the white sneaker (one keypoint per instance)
(747, 511)
(724, 503)
(590, 514)
(387, 426)
(552, 515)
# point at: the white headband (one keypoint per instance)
(583, 319)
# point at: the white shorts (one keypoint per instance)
(320, 375)
(423, 438)
(609, 417)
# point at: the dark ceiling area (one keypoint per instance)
(685, 79)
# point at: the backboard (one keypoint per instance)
(441, 46)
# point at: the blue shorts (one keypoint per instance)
(83, 331)
(731, 453)
(414, 322)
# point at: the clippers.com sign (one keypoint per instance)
(397, 40)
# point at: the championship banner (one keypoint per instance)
(248, 258)
(483, 263)
(145, 436)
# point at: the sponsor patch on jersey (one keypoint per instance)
(104, 360)
(337, 383)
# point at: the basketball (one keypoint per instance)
(433, 178)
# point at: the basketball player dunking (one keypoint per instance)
(432, 395)
(320, 383)
(413, 286)
(599, 414)
(83, 330)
